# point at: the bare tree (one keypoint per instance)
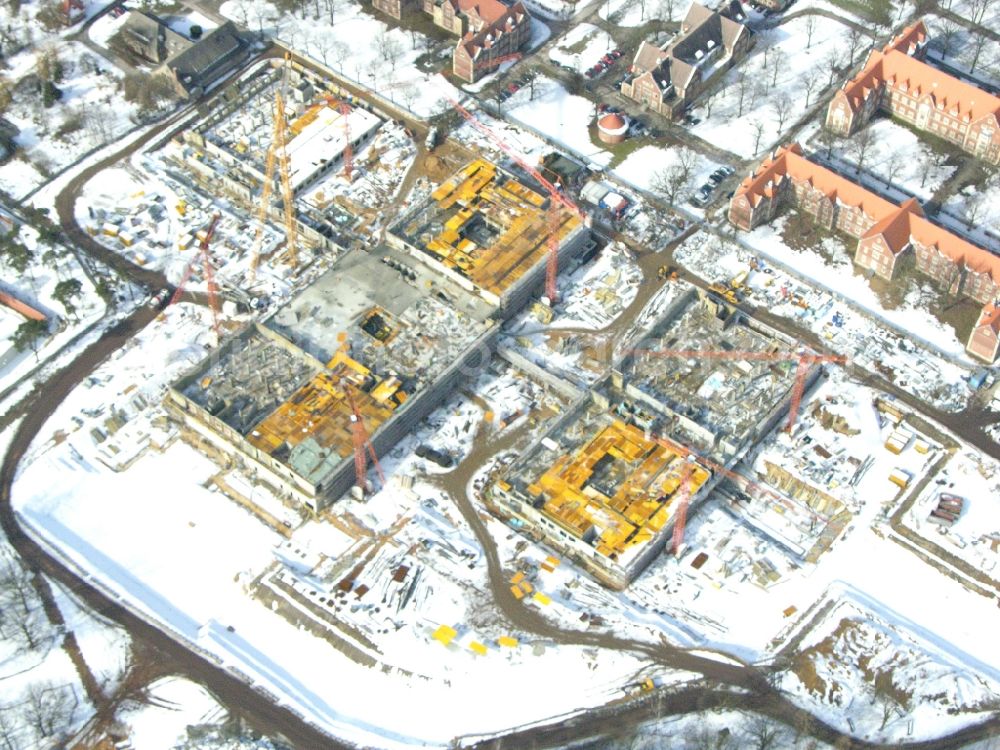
(21, 615)
(782, 105)
(926, 167)
(762, 733)
(810, 29)
(892, 166)
(977, 10)
(854, 43)
(949, 30)
(49, 708)
(810, 82)
(742, 87)
(671, 183)
(10, 731)
(832, 64)
(973, 208)
(665, 9)
(860, 146)
(758, 131)
(977, 50)
(391, 52)
(340, 52)
(777, 62)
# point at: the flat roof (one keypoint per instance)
(322, 137)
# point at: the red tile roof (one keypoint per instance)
(898, 224)
(895, 66)
(20, 307)
(990, 317)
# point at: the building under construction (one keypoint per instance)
(607, 483)
(489, 231)
(227, 151)
(369, 338)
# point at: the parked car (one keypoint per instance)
(726, 170)
(715, 179)
(118, 11)
(698, 200)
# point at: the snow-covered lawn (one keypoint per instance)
(642, 166)
(800, 66)
(581, 47)
(965, 47)
(630, 13)
(357, 45)
(89, 113)
(559, 116)
(899, 9)
(979, 205)
(898, 157)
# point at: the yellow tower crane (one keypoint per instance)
(277, 152)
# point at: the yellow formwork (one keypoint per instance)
(445, 634)
(513, 211)
(648, 478)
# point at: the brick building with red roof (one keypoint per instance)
(984, 341)
(489, 30)
(896, 80)
(885, 231)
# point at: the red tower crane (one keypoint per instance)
(359, 436)
(557, 198)
(207, 270)
(344, 109)
(805, 361)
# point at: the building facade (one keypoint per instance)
(886, 232)
(896, 80)
(667, 80)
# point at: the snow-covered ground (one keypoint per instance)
(559, 116)
(898, 10)
(781, 75)
(356, 44)
(891, 682)
(48, 267)
(89, 113)
(919, 369)
(973, 537)
(630, 13)
(896, 158)
(643, 166)
(581, 47)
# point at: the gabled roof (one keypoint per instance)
(647, 57)
(895, 66)
(899, 225)
(474, 42)
(990, 317)
(488, 11)
(200, 58)
(895, 227)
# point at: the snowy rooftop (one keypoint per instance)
(323, 139)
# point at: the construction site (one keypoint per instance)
(719, 378)
(491, 231)
(286, 143)
(336, 377)
(601, 491)
(612, 480)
